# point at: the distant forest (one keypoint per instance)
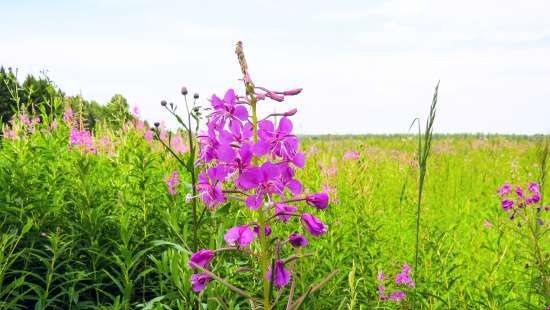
(39, 96)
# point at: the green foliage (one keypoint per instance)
(99, 231)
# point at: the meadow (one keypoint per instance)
(102, 228)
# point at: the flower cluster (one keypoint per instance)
(254, 162)
(515, 199)
(402, 279)
(82, 138)
(172, 182)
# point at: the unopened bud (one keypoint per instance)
(292, 92)
(290, 112)
(275, 97)
(196, 95)
(163, 103)
(184, 91)
(157, 124)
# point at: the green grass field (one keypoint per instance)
(100, 231)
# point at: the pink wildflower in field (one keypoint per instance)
(68, 116)
(178, 145)
(82, 138)
(332, 192)
(10, 135)
(281, 276)
(401, 279)
(487, 224)
(351, 155)
(172, 182)
(239, 235)
(521, 199)
(148, 135)
(135, 111)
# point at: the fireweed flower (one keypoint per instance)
(239, 235)
(351, 155)
(210, 188)
(401, 279)
(253, 161)
(284, 212)
(82, 138)
(172, 182)
(68, 116)
(227, 109)
(520, 200)
(298, 240)
(281, 276)
(199, 281)
(201, 258)
(319, 200)
(313, 225)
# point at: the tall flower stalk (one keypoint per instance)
(253, 162)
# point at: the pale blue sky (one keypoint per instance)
(365, 66)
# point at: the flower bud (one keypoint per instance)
(297, 240)
(157, 124)
(313, 225)
(184, 91)
(163, 103)
(292, 92)
(201, 258)
(196, 95)
(275, 97)
(319, 200)
(290, 112)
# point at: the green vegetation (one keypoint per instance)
(80, 230)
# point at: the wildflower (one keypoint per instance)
(256, 229)
(281, 276)
(279, 142)
(263, 179)
(68, 116)
(381, 276)
(148, 135)
(239, 235)
(404, 276)
(351, 155)
(505, 189)
(507, 204)
(398, 296)
(81, 138)
(319, 200)
(172, 182)
(298, 240)
(227, 110)
(201, 258)
(313, 225)
(209, 187)
(135, 111)
(199, 281)
(284, 211)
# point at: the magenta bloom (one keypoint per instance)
(68, 116)
(210, 188)
(534, 187)
(284, 211)
(398, 296)
(279, 142)
(288, 180)
(199, 281)
(281, 276)
(239, 235)
(172, 182)
(404, 277)
(267, 230)
(319, 200)
(264, 179)
(298, 240)
(313, 225)
(351, 155)
(227, 110)
(507, 204)
(201, 258)
(505, 189)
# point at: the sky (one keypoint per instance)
(365, 66)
